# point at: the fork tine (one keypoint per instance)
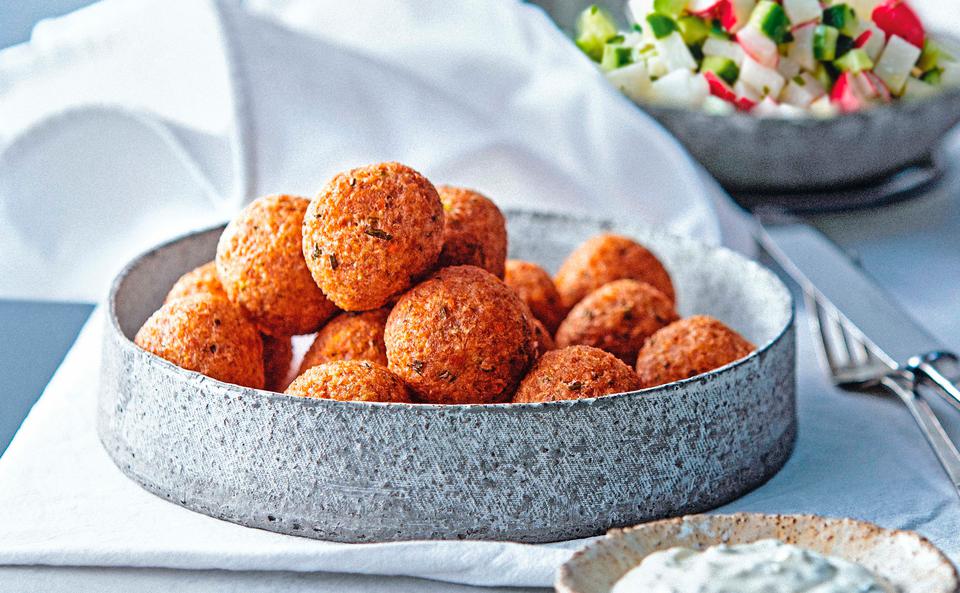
(824, 328)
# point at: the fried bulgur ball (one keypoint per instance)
(537, 290)
(371, 233)
(617, 317)
(689, 347)
(461, 336)
(351, 380)
(261, 266)
(277, 356)
(200, 280)
(545, 341)
(349, 336)
(474, 233)
(605, 258)
(206, 334)
(576, 372)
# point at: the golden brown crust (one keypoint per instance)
(349, 336)
(461, 336)
(261, 266)
(687, 348)
(545, 342)
(576, 372)
(475, 232)
(537, 290)
(351, 380)
(617, 317)
(206, 334)
(277, 357)
(605, 258)
(371, 233)
(200, 280)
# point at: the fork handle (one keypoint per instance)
(903, 385)
(938, 368)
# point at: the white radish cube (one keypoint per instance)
(633, 39)
(801, 91)
(822, 107)
(632, 80)
(802, 11)
(766, 108)
(950, 76)
(680, 88)
(801, 48)
(896, 62)
(717, 106)
(788, 68)
(746, 92)
(791, 112)
(917, 89)
(758, 46)
(675, 53)
(875, 42)
(766, 81)
(741, 11)
(702, 6)
(727, 49)
(637, 11)
(656, 66)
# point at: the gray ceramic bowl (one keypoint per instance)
(747, 153)
(905, 559)
(358, 471)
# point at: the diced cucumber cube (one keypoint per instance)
(802, 11)
(841, 17)
(825, 42)
(616, 55)
(766, 81)
(671, 8)
(950, 74)
(661, 25)
(727, 49)
(930, 55)
(723, 67)
(823, 75)
(770, 18)
(675, 52)
(801, 49)
(896, 62)
(917, 89)
(632, 80)
(855, 60)
(717, 30)
(594, 28)
(693, 29)
(931, 77)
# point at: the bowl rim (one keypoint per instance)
(127, 345)
(614, 536)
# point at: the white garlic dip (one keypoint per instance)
(759, 567)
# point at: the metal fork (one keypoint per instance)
(855, 366)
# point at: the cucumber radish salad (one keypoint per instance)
(788, 58)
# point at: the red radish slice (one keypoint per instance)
(759, 47)
(745, 104)
(719, 88)
(844, 94)
(879, 87)
(862, 39)
(895, 17)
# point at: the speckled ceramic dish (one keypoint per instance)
(904, 558)
(747, 153)
(359, 471)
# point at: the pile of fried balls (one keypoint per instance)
(409, 292)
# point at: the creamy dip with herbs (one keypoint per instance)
(765, 566)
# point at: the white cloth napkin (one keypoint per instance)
(130, 121)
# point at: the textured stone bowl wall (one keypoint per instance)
(354, 472)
